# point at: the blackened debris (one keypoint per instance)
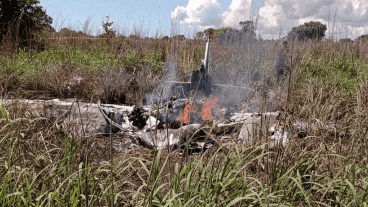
(115, 116)
(175, 108)
(230, 110)
(200, 81)
(136, 116)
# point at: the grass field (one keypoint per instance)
(325, 84)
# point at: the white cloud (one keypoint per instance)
(350, 16)
(203, 13)
(284, 14)
(239, 10)
(179, 13)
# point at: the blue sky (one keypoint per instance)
(146, 15)
(345, 18)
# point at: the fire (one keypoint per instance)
(185, 115)
(206, 110)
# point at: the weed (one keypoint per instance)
(43, 161)
(154, 61)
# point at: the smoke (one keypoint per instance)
(164, 91)
(250, 63)
(277, 17)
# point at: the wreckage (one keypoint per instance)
(191, 118)
(140, 123)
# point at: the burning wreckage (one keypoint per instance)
(193, 116)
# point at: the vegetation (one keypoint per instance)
(344, 73)
(108, 31)
(231, 35)
(248, 28)
(308, 30)
(363, 38)
(21, 20)
(43, 163)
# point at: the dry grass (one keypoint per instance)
(44, 163)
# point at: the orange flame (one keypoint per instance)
(206, 110)
(185, 115)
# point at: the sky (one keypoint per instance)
(157, 18)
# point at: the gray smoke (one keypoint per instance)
(164, 91)
(252, 61)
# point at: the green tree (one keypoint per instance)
(209, 33)
(363, 38)
(199, 35)
(248, 29)
(108, 32)
(22, 19)
(308, 30)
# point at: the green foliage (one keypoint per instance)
(363, 38)
(154, 61)
(228, 34)
(346, 73)
(199, 55)
(248, 28)
(199, 35)
(4, 112)
(65, 32)
(132, 57)
(209, 32)
(216, 33)
(108, 32)
(32, 64)
(308, 30)
(27, 14)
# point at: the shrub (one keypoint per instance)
(23, 19)
(308, 30)
(154, 61)
(345, 73)
(363, 38)
(132, 57)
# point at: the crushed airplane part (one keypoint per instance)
(200, 85)
(241, 127)
(174, 138)
(136, 117)
(105, 113)
(181, 117)
(185, 119)
(248, 127)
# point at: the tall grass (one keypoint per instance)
(86, 57)
(43, 163)
(44, 166)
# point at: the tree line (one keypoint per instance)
(308, 30)
(21, 20)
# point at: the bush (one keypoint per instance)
(30, 64)
(154, 61)
(308, 30)
(363, 38)
(22, 19)
(132, 57)
(345, 73)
